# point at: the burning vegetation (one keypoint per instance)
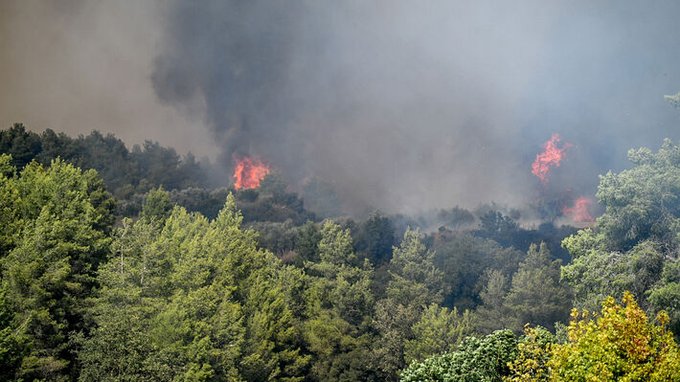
(315, 239)
(578, 209)
(552, 155)
(579, 212)
(249, 172)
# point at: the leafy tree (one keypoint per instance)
(414, 284)
(157, 206)
(120, 346)
(476, 359)
(465, 260)
(501, 228)
(195, 199)
(415, 278)
(307, 242)
(10, 218)
(493, 314)
(533, 354)
(22, 145)
(277, 237)
(338, 303)
(158, 164)
(636, 238)
(438, 330)
(536, 294)
(104, 153)
(61, 219)
(376, 238)
(666, 294)
(642, 202)
(272, 203)
(618, 344)
(12, 347)
(193, 299)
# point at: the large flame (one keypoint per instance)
(249, 172)
(580, 211)
(550, 157)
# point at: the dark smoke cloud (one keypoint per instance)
(407, 106)
(401, 105)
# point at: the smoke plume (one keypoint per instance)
(402, 106)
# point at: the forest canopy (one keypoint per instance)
(180, 279)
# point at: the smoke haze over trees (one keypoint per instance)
(312, 191)
(424, 106)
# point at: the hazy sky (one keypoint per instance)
(403, 105)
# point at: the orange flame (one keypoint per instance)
(249, 172)
(550, 157)
(580, 211)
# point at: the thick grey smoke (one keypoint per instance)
(404, 105)
(408, 106)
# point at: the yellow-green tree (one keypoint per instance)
(533, 355)
(619, 344)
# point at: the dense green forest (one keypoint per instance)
(136, 265)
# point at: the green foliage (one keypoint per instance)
(375, 238)
(127, 174)
(536, 294)
(493, 314)
(533, 354)
(494, 223)
(637, 237)
(22, 145)
(476, 359)
(415, 278)
(338, 306)
(60, 218)
(157, 205)
(272, 203)
(666, 294)
(196, 199)
(414, 284)
(307, 240)
(438, 330)
(176, 295)
(192, 300)
(119, 347)
(618, 344)
(464, 260)
(642, 202)
(10, 218)
(335, 247)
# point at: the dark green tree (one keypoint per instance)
(21, 144)
(414, 284)
(476, 359)
(50, 270)
(338, 306)
(537, 296)
(376, 238)
(465, 259)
